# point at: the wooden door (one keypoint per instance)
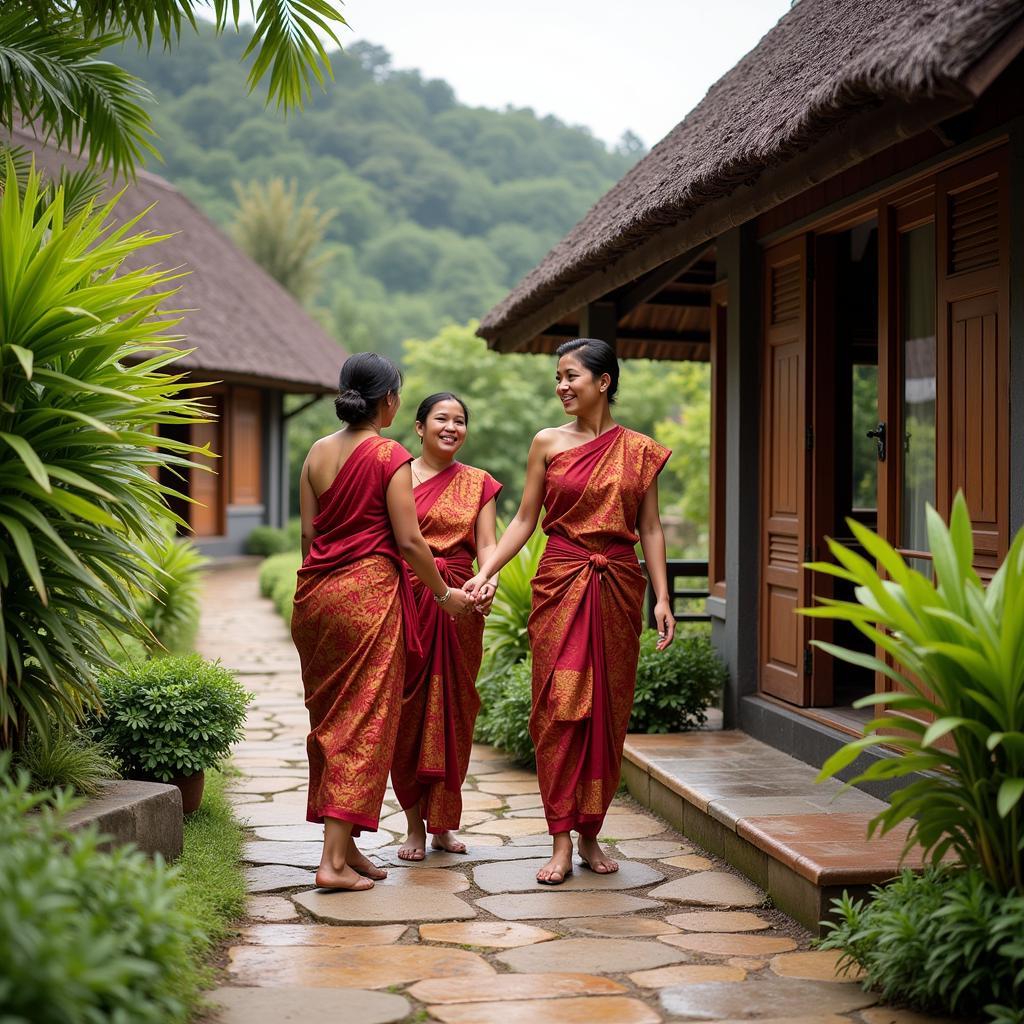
(245, 456)
(785, 490)
(207, 488)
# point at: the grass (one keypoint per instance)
(66, 760)
(211, 872)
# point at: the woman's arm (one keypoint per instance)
(652, 541)
(520, 530)
(486, 530)
(414, 549)
(308, 508)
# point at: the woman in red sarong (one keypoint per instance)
(353, 620)
(455, 504)
(597, 482)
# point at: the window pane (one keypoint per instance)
(917, 321)
(865, 454)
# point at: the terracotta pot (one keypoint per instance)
(191, 787)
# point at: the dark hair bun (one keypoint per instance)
(597, 356)
(365, 379)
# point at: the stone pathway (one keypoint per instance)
(471, 939)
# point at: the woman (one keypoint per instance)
(597, 482)
(354, 613)
(455, 504)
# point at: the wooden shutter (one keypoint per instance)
(973, 345)
(785, 492)
(245, 454)
(207, 517)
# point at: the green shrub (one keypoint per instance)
(172, 613)
(65, 760)
(84, 361)
(505, 637)
(945, 941)
(504, 720)
(277, 581)
(674, 687)
(87, 935)
(958, 651)
(272, 540)
(171, 716)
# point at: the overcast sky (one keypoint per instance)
(639, 65)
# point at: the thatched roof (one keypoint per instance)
(241, 322)
(824, 63)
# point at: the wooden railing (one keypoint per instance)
(687, 598)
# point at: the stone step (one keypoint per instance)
(801, 841)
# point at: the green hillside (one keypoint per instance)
(440, 207)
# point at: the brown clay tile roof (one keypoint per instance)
(241, 322)
(824, 62)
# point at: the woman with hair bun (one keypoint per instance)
(455, 505)
(354, 617)
(597, 482)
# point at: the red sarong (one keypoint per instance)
(440, 704)
(352, 622)
(585, 625)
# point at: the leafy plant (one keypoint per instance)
(66, 760)
(84, 361)
(272, 540)
(172, 614)
(945, 940)
(277, 581)
(506, 698)
(171, 716)
(957, 649)
(87, 935)
(51, 73)
(505, 637)
(674, 687)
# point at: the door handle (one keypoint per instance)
(878, 436)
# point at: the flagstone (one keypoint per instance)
(552, 905)
(711, 889)
(644, 849)
(513, 775)
(731, 943)
(513, 986)
(719, 921)
(511, 827)
(482, 768)
(271, 812)
(506, 788)
(592, 956)
(523, 801)
(399, 823)
(292, 1005)
(243, 799)
(686, 974)
(533, 839)
(307, 934)
(483, 840)
(619, 927)
(406, 895)
(493, 934)
(521, 876)
(483, 752)
(365, 966)
(474, 852)
(689, 861)
(270, 908)
(888, 1015)
(815, 965)
(777, 999)
(585, 1010)
(309, 831)
(747, 963)
(264, 784)
(630, 826)
(474, 801)
(302, 855)
(272, 877)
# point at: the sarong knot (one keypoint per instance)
(442, 565)
(598, 562)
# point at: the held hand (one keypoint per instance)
(458, 603)
(666, 623)
(473, 585)
(485, 596)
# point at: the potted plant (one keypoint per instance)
(169, 719)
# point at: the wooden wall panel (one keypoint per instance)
(784, 469)
(717, 496)
(207, 518)
(245, 453)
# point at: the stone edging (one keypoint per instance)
(147, 814)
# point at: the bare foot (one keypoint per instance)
(559, 868)
(415, 846)
(347, 879)
(595, 858)
(449, 842)
(362, 864)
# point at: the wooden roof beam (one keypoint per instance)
(646, 287)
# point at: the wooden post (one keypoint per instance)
(599, 320)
